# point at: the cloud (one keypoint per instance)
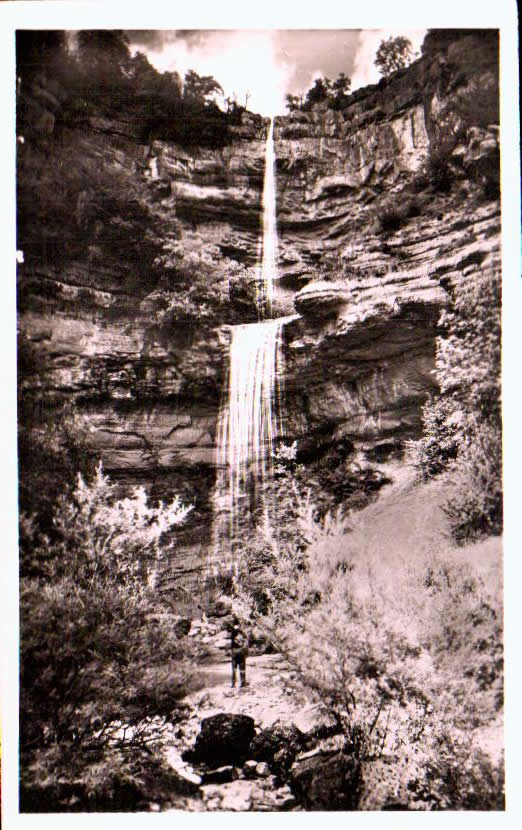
(315, 53)
(261, 66)
(157, 39)
(243, 62)
(365, 72)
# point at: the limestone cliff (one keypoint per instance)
(379, 218)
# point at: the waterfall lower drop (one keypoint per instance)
(251, 415)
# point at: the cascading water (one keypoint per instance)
(251, 419)
(251, 416)
(268, 265)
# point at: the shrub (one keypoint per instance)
(392, 217)
(442, 432)
(198, 283)
(438, 166)
(52, 448)
(406, 671)
(463, 427)
(475, 506)
(100, 662)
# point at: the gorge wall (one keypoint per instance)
(384, 208)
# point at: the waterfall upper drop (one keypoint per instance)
(251, 414)
(268, 265)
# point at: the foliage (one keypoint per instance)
(84, 208)
(474, 104)
(477, 105)
(51, 451)
(438, 168)
(293, 102)
(463, 428)
(475, 505)
(334, 93)
(340, 89)
(112, 779)
(406, 671)
(442, 433)
(200, 88)
(320, 91)
(393, 216)
(199, 283)
(102, 78)
(393, 53)
(97, 647)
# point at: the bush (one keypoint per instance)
(393, 217)
(52, 448)
(200, 284)
(390, 219)
(408, 672)
(463, 426)
(475, 506)
(438, 166)
(442, 433)
(100, 661)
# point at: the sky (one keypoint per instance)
(258, 67)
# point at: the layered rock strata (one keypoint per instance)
(371, 250)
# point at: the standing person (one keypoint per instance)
(238, 652)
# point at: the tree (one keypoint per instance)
(340, 90)
(393, 53)
(319, 92)
(293, 103)
(198, 89)
(99, 655)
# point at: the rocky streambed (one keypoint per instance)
(259, 748)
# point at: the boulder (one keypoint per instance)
(327, 781)
(237, 797)
(321, 298)
(223, 739)
(182, 627)
(221, 775)
(278, 746)
(185, 782)
(250, 769)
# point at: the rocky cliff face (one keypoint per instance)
(380, 217)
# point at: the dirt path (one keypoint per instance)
(267, 697)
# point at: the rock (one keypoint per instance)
(220, 608)
(221, 775)
(237, 797)
(284, 798)
(326, 781)
(185, 782)
(223, 739)
(278, 746)
(368, 378)
(321, 298)
(262, 769)
(250, 769)
(182, 627)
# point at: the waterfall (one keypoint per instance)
(250, 419)
(268, 265)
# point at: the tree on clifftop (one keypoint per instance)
(393, 53)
